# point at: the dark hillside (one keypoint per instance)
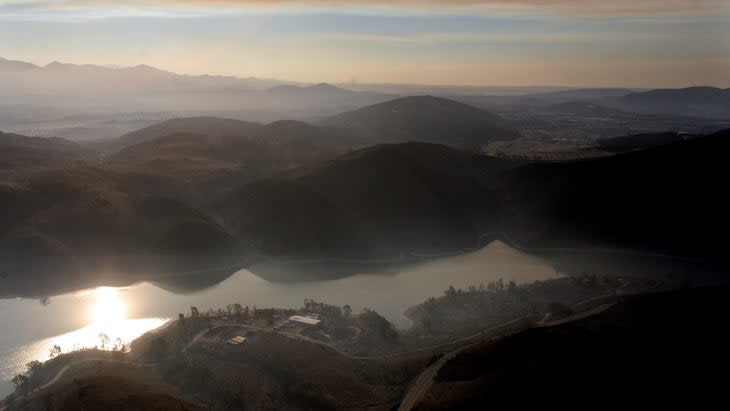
(652, 349)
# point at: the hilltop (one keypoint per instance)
(18, 152)
(203, 156)
(189, 125)
(426, 119)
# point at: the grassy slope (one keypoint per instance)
(656, 349)
(369, 201)
(668, 198)
(87, 210)
(200, 165)
(19, 152)
(194, 125)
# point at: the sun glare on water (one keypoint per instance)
(109, 328)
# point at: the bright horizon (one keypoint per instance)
(501, 43)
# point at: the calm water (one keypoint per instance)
(75, 320)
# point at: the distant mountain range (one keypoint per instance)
(693, 101)
(701, 102)
(18, 78)
(92, 89)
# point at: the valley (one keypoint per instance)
(180, 241)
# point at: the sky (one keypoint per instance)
(576, 43)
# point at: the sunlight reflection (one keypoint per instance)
(108, 328)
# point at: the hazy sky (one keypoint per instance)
(639, 43)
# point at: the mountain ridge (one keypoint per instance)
(425, 118)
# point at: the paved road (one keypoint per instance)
(575, 317)
(423, 382)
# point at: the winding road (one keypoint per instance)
(423, 382)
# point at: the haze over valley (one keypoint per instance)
(362, 205)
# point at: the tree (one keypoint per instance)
(237, 309)
(347, 310)
(33, 366)
(194, 313)
(103, 341)
(55, 351)
(427, 324)
(20, 381)
(118, 345)
(450, 292)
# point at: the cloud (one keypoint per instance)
(589, 7)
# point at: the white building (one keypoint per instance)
(237, 340)
(305, 320)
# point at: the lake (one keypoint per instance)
(76, 320)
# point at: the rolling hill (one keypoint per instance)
(394, 198)
(84, 210)
(426, 119)
(81, 227)
(631, 353)
(660, 199)
(191, 125)
(292, 189)
(18, 152)
(215, 155)
(380, 200)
